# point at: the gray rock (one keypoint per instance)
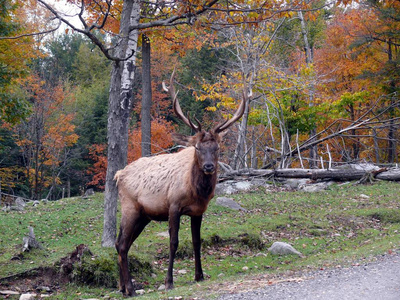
(225, 188)
(295, 183)
(317, 187)
(17, 208)
(229, 203)
(161, 287)
(243, 185)
(88, 193)
(27, 297)
(19, 202)
(140, 292)
(42, 288)
(281, 248)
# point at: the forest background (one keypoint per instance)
(324, 78)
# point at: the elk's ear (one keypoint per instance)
(182, 139)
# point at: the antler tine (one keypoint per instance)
(176, 106)
(238, 114)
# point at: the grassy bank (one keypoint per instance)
(336, 227)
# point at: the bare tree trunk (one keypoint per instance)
(309, 60)
(254, 160)
(119, 106)
(376, 146)
(240, 157)
(391, 133)
(146, 96)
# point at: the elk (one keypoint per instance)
(167, 186)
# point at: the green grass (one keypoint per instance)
(335, 227)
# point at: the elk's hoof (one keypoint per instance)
(199, 277)
(130, 294)
(169, 286)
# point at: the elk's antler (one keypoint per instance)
(177, 107)
(238, 114)
(217, 129)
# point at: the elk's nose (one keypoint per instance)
(209, 168)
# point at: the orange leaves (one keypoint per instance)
(161, 139)
(98, 154)
(47, 133)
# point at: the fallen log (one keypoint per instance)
(315, 174)
(391, 174)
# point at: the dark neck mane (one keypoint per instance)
(203, 185)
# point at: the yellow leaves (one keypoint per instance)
(307, 70)
(211, 108)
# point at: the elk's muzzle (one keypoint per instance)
(209, 169)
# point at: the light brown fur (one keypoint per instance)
(152, 184)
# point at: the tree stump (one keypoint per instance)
(29, 242)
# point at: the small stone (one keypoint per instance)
(281, 248)
(42, 288)
(182, 272)
(27, 297)
(245, 268)
(19, 202)
(162, 287)
(163, 234)
(364, 196)
(229, 203)
(243, 185)
(140, 292)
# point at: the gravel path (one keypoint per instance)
(379, 280)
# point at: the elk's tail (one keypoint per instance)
(116, 177)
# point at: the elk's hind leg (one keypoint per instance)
(130, 228)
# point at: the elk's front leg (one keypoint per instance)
(195, 226)
(174, 220)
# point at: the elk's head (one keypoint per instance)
(206, 143)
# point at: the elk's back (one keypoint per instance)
(154, 183)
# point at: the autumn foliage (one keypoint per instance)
(54, 104)
(161, 138)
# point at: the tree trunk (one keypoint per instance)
(146, 96)
(119, 106)
(391, 148)
(309, 61)
(240, 157)
(376, 146)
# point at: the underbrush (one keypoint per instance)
(344, 224)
